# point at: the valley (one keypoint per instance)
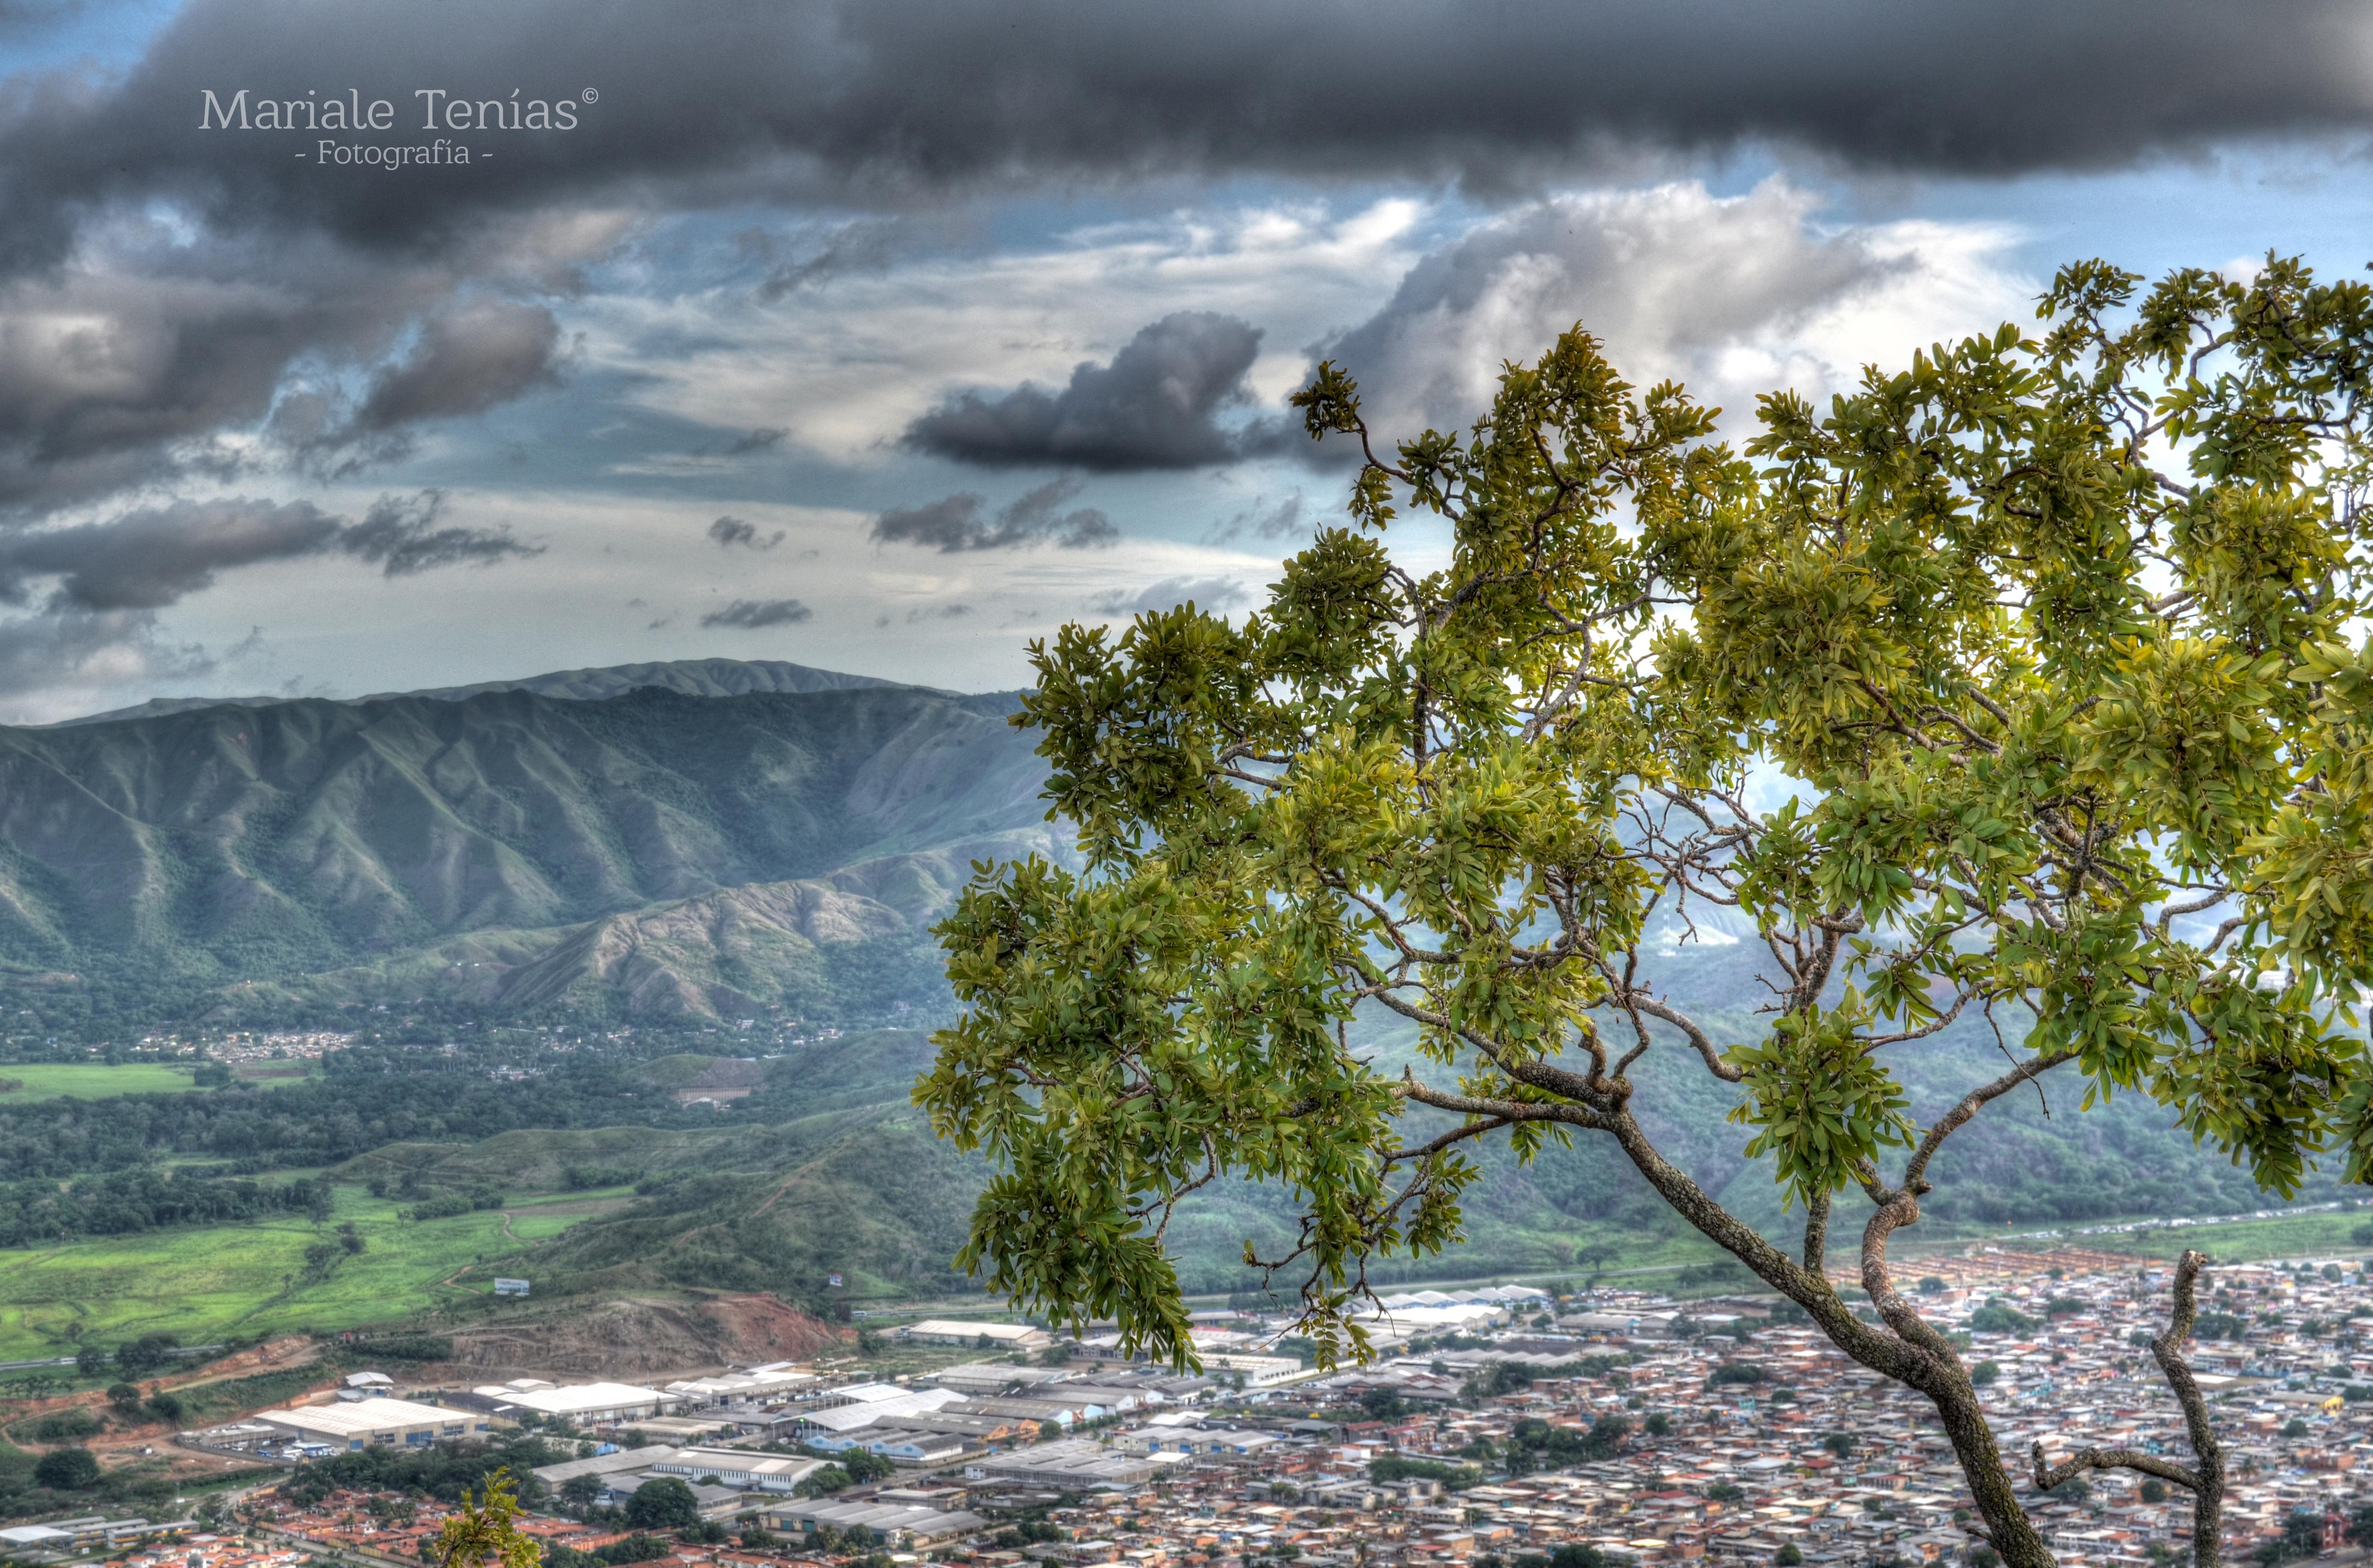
(619, 981)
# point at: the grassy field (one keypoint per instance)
(90, 1081)
(96, 1080)
(2243, 1241)
(204, 1284)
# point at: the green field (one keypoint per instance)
(205, 1285)
(90, 1081)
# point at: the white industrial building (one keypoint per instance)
(745, 1470)
(778, 1380)
(1258, 1371)
(875, 1412)
(361, 1424)
(892, 1524)
(593, 1404)
(955, 1331)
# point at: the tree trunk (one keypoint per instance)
(2013, 1533)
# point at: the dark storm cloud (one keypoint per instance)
(729, 532)
(403, 537)
(146, 560)
(468, 359)
(753, 614)
(156, 557)
(1151, 407)
(157, 361)
(956, 523)
(879, 102)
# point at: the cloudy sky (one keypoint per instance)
(886, 335)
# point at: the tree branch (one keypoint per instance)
(2206, 1482)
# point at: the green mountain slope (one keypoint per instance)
(350, 840)
(848, 1180)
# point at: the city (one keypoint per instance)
(1497, 1425)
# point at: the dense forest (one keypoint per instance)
(122, 1203)
(367, 1097)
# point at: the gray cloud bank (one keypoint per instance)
(882, 100)
(959, 523)
(1154, 406)
(755, 614)
(156, 557)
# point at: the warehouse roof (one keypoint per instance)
(580, 1397)
(362, 1417)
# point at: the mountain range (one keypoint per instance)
(703, 837)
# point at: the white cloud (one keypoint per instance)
(1732, 295)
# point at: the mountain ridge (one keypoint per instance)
(690, 677)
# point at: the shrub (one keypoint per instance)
(66, 1470)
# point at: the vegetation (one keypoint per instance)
(586, 807)
(1996, 1318)
(2051, 636)
(666, 1503)
(50, 1081)
(66, 1470)
(206, 1285)
(1399, 1466)
(484, 1530)
(445, 1471)
(123, 1202)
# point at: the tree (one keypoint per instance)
(829, 1480)
(1995, 1318)
(485, 1530)
(665, 1504)
(125, 1397)
(864, 1465)
(2051, 636)
(66, 1470)
(581, 1492)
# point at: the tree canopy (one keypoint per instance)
(2026, 685)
